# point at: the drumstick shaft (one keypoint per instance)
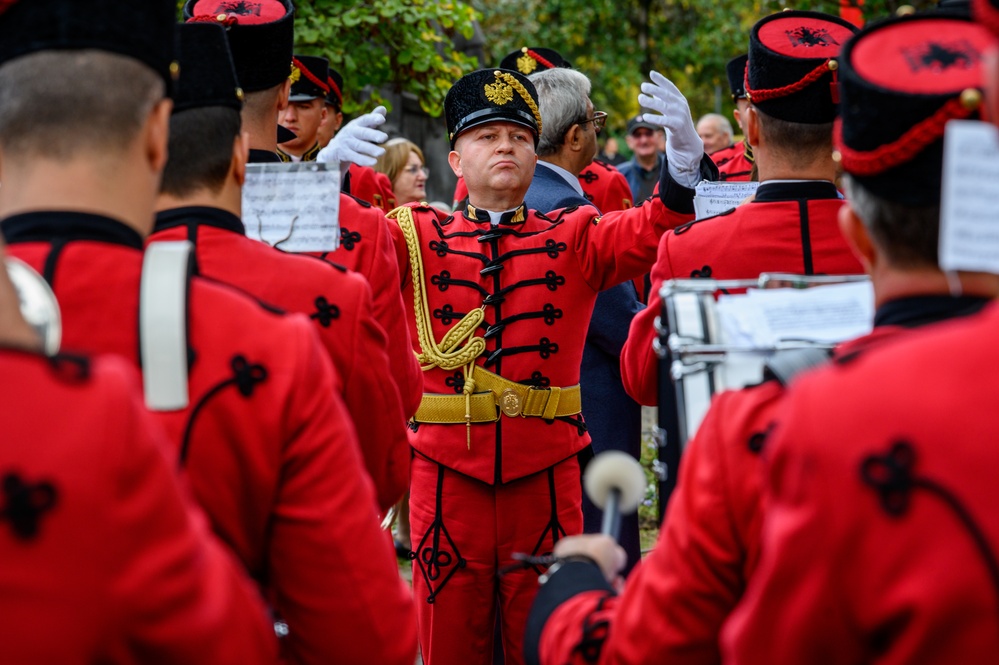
(612, 515)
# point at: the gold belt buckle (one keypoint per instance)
(510, 402)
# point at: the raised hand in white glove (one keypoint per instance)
(357, 142)
(684, 148)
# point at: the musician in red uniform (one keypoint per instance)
(880, 535)
(261, 52)
(736, 162)
(499, 298)
(673, 609)
(791, 225)
(93, 451)
(201, 202)
(605, 187)
(264, 439)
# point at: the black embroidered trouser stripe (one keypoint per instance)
(554, 528)
(892, 476)
(245, 377)
(434, 560)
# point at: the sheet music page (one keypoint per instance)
(969, 215)
(294, 207)
(762, 318)
(713, 198)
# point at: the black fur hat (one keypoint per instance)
(140, 29)
(490, 95)
(261, 37)
(207, 76)
(901, 81)
(792, 65)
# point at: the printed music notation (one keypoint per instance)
(714, 198)
(969, 215)
(294, 207)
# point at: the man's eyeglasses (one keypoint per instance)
(599, 119)
(414, 169)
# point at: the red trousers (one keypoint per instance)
(464, 531)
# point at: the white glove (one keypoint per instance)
(684, 148)
(357, 142)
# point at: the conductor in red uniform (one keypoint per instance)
(791, 225)
(709, 547)
(499, 297)
(264, 438)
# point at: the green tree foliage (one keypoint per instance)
(616, 42)
(400, 45)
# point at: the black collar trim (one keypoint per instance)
(201, 216)
(510, 218)
(67, 225)
(793, 191)
(917, 311)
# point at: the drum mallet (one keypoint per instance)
(615, 483)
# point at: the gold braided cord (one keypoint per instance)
(449, 354)
(512, 81)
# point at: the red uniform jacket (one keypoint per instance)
(371, 186)
(367, 246)
(104, 558)
(880, 528)
(537, 277)
(263, 440)
(605, 187)
(789, 227)
(734, 163)
(676, 602)
(337, 302)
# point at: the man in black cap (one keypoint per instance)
(254, 421)
(260, 38)
(735, 164)
(709, 546)
(306, 110)
(791, 225)
(642, 170)
(500, 297)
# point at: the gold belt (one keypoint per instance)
(500, 395)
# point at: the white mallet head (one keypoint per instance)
(614, 469)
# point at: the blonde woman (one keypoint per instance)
(404, 165)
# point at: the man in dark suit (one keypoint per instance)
(568, 144)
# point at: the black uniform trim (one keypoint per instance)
(68, 226)
(571, 579)
(790, 191)
(675, 196)
(806, 237)
(200, 215)
(264, 157)
(922, 310)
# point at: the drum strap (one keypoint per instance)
(166, 272)
(786, 365)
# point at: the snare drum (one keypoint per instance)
(698, 358)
